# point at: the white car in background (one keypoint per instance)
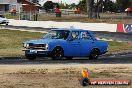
(3, 20)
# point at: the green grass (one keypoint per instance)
(70, 18)
(11, 42)
(9, 16)
(119, 46)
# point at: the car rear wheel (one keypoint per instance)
(94, 54)
(69, 58)
(57, 54)
(30, 57)
(85, 82)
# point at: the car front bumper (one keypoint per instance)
(37, 52)
(4, 22)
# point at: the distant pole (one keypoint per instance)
(19, 13)
(30, 12)
(87, 3)
(102, 9)
(90, 8)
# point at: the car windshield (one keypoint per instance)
(57, 34)
(2, 16)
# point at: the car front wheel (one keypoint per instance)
(30, 57)
(69, 58)
(85, 82)
(94, 54)
(57, 54)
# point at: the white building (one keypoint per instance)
(6, 5)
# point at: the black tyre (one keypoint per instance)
(94, 54)
(69, 58)
(85, 82)
(6, 23)
(57, 54)
(30, 57)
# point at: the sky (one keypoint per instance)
(63, 1)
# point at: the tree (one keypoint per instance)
(82, 5)
(123, 4)
(56, 5)
(110, 6)
(93, 8)
(48, 5)
(73, 5)
(62, 5)
(90, 6)
(98, 7)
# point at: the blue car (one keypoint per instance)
(65, 44)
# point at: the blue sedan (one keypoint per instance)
(68, 43)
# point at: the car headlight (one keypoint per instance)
(46, 46)
(26, 45)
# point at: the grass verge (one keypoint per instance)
(11, 42)
(82, 19)
(76, 18)
(115, 47)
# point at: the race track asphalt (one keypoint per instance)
(121, 59)
(118, 59)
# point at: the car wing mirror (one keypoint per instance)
(70, 39)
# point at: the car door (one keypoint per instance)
(74, 44)
(87, 43)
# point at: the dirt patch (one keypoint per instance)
(62, 77)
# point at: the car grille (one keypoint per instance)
(4, 20)
(37, 46)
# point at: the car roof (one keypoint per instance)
(70, 29)
(1, 15)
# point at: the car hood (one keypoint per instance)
(3, 19)
(43, 41)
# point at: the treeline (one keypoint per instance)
(107, 5)
(91, 7)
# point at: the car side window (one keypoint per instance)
(85, 35)
(75, 35)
